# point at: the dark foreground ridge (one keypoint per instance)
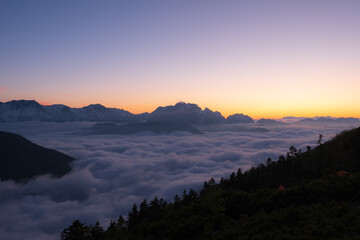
(21, 159)
(312, 194)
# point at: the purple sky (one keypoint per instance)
(262, 58)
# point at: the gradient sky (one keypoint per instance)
(261, 58)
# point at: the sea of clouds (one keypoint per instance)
(114, 171)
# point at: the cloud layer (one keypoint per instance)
(114, 171)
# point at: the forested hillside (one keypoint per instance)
(311, 194)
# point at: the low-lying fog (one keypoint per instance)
(114, 171)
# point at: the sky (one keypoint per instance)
(261, 58)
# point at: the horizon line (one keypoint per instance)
(202, 108)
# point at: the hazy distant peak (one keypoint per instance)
(23, 110)
(349, 118)
(20, 104)
(186, 106)
(290, 119)
(180, 106)
(325, 119)
(95, 107)
(265, 121)
(29, 110)
(21, 101)
(181, 112)
(239, 118)
(189, 113)
(57, 106)
(330, 120)
(181, 103)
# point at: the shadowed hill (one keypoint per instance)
(342, 153)
(318, 199)
(21, 159)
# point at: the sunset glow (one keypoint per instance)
(261, 58)
(179, 119)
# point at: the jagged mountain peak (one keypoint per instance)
(189, 113)
(97, 107)
(267, 121)
(239, 118)
(180, 106)
(19, 104)
(57, 106)
(29, 110)
(208, 110)
(23, 110)
(181, 112)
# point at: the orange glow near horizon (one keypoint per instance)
(263, 59)
(256, 112)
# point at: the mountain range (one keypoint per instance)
(181, 112)
(30, 110)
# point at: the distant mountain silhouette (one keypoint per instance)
(239, 118)
(131, 128)
(187, 113)
(30, 110)
(97, 112)
(291, 119)
(347, 120)
(329, 120)
(62, 113)
(265, 121)
(21, 159)
(23, 110)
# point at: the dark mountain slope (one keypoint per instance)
(317, 202)
(21, 159)
(340, 153)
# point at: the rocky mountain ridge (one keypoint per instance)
(181, 112)
(188, 113)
